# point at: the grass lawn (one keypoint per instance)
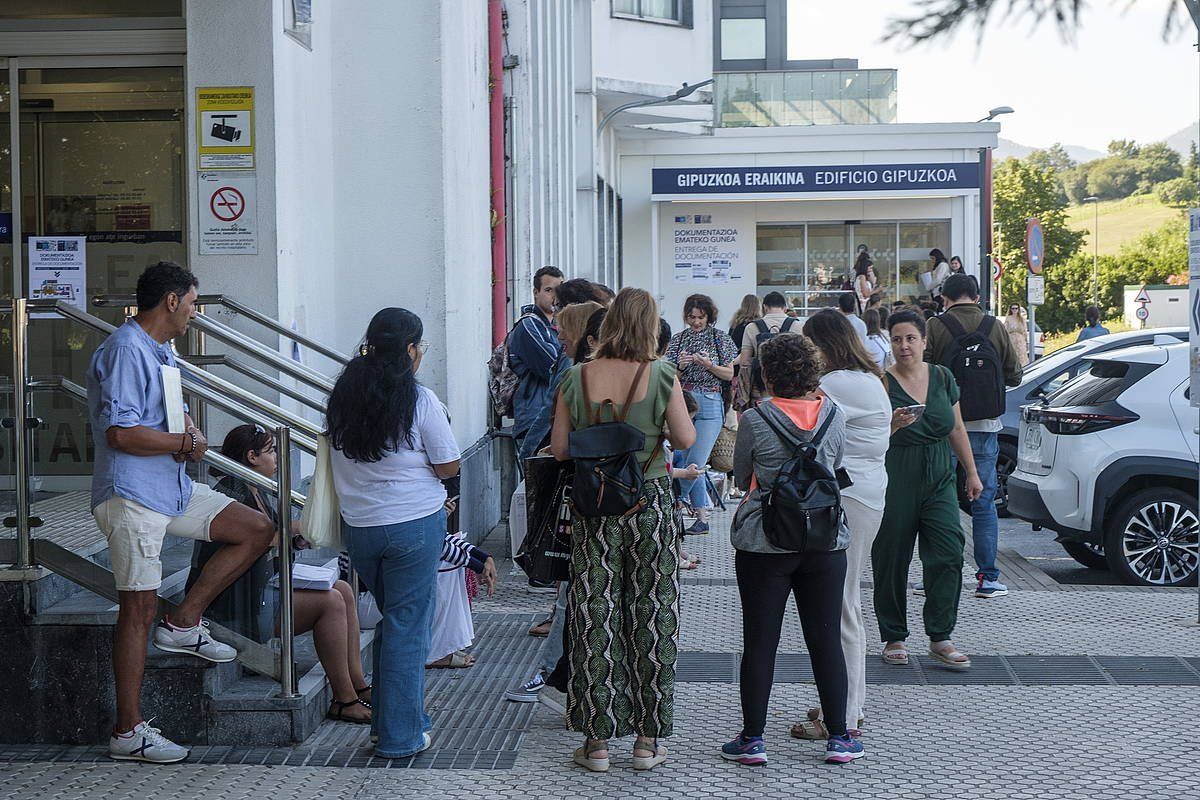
(1120, 220)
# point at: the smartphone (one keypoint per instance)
(916, 410)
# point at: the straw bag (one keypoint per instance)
(321, 523)
(721, 457)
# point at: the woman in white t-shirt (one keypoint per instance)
(392, 448)
(854, 381)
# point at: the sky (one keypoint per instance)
(1118, 79)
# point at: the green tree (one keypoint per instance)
(1157, 163)
(1074, 182)
(1113, 177)
(1020, 191)
(1179, 192)
(1055, 157)
(1124, 148)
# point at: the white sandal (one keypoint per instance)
(583, 757)
(641, 763)
(951, 659)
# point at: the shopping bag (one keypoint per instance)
(720, 457)
(321, 523)
(545, 555)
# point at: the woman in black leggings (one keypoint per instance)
(768, 436)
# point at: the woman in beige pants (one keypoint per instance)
(852, 379)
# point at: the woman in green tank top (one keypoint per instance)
(623, 599)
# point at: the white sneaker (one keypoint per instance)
(194, 641)
(145, 743)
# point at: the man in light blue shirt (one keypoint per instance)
(141, 492)
(1093, 327)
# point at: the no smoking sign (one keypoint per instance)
(228, 217)
(227, 203)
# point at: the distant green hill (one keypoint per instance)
(1120, 220)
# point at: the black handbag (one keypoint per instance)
(545, 553)
(608, 474)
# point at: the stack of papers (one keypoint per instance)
(312, 576)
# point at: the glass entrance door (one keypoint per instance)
(102, 164)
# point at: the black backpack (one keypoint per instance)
(608, 477)
(977, 367)
(802, 510)
(765, 334)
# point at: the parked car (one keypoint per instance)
(1109, 462)
(1047, 375)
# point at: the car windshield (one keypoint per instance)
(1055, 361)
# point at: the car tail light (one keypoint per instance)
(1073, 423)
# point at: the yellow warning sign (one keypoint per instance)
(225, 120)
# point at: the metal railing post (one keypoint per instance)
(200, 412)
(287, 626)
(20, 340)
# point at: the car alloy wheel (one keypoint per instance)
(1160, 542)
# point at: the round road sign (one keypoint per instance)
(1035, 246)
(1142, 313)
(997, 270)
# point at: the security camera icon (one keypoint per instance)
(225, 132)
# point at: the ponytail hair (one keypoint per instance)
(374, 401)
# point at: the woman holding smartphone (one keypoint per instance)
(921, 503)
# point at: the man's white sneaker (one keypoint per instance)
(194, 641)
(145, 743)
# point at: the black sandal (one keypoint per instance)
(359, 692)
(337, 712)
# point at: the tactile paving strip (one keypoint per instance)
(1080, 670)
(474, 727)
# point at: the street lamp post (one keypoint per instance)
(985, 211)
(1095, 201)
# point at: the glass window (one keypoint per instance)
(781, 258)
(89, 9)
(770, 104)
(662, 10)
(855, 90)
(297, 21)
(881, 106)
(916, 240)
(879, 239)
(829, 259)
(743, 39)
(736, 100)
(827, 98)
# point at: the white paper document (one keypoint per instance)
(312, 576)
(173, 398)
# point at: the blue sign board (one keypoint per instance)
(1035, 246)
(701, 181)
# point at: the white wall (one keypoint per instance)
(652, 53)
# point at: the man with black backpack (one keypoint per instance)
(977, 350)
(775, 320)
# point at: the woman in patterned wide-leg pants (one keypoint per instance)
(623, 607)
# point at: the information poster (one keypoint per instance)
(705, 253)
(58, 270)
(225, 115)
(228, 213)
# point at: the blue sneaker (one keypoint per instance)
(843, 749)
(751, 752)
(698, 527)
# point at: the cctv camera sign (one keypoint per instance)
(225, 137)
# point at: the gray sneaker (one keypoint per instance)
(145, 743)
(527, 692)
(194, 641)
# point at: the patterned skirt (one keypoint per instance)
(623, 612)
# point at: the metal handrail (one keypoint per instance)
(123, 300)
(266, 354)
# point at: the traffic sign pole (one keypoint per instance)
(1035, 252)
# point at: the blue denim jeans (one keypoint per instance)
(398, 564)
(708, 425)
(985, 528)
(552, 648)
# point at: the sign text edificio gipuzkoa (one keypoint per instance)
(802, 179)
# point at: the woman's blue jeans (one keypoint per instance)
(398, 564)
(708, 425)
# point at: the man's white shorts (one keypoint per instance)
(135, 534)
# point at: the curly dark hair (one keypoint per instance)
(374, 402)
(791, 365)
(161, 279)
(907, 317)
(700, 302)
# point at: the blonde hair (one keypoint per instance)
(630, 329)
(748, 311)
(572, 322)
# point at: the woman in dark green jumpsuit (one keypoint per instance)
(922, 503)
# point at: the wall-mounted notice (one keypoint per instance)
(228, 213)
(58, 270)
(225, 137)
(705, 252)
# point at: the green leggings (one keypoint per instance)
(922, 507)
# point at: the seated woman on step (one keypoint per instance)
(332, 614)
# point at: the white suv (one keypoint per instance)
(1109, 462)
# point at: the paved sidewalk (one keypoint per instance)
(1056, 738)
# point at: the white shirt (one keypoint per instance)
(868, 411)
(402, 485)
(859, 326)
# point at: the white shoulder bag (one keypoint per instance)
(321, 523)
